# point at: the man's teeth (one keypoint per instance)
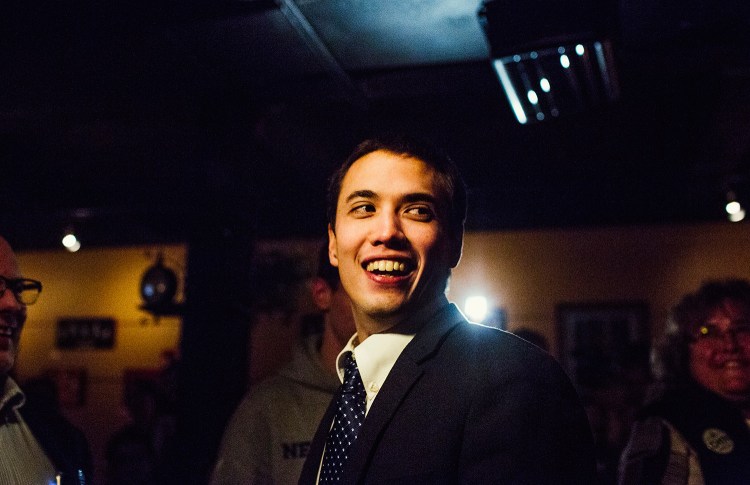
(385, 265)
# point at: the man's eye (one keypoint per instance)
(423, 213)
(363, 209)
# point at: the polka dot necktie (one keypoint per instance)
(350, 414)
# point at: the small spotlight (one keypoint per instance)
(476, 308)
(733, 207)
(580, 49)
(71, 242)
(739, 216)
(735, 211)
(564, 61)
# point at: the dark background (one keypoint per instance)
(137, 121)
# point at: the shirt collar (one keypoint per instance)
(12, 397)
(378, 353)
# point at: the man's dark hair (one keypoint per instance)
(672, 353)
(449, 179)
(326, 271)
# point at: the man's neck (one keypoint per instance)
(406, 322)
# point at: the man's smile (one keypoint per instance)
(730, 363)
(9, 324)
(8, 331)
(388, 267)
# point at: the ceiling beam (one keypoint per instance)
(307, 33)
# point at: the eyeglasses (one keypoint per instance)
(25, 290)
(740, 332)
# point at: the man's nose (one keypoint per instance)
(8, 301)
(387, 229)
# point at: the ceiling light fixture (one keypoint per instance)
(569, 84)
(734, 209)
(70, 241)
(556, 45)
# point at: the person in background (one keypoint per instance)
(38, 445)
(695, 430)
(267, 438)
(427, 397)
(136, 452)
(131, 459)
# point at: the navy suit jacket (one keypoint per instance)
(466, 403)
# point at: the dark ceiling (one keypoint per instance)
(142, 122)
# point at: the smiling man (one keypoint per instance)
(37, 445)
(445, 401)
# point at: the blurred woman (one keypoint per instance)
(696, 430)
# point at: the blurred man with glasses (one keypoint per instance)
(37, 445)
(696, 431)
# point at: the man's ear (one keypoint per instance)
(321, 294)
(332, 255)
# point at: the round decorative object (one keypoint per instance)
(718, 441)
(158, 285)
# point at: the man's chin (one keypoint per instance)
(385, 314)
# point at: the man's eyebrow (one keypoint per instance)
(361, 194)
(420, 197)
(408, 198)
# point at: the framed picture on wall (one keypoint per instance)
(603, 342)
(85, 333)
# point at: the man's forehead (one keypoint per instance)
(367, 176)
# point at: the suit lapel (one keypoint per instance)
(404, 374)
